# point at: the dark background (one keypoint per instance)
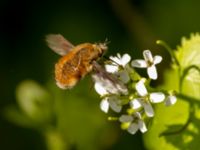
(129, 25)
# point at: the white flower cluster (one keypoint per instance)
(128, 95)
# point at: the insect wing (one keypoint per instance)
(106, 78)
(59, 44)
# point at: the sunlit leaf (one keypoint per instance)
(188, 54)
(172, 128)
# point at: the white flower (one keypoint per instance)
(117, 62)
(170, 100)
(146, 99)
(135, 123)
(113, 102)
(149, 62)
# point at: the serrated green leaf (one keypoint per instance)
(175, 119)
(188, 54)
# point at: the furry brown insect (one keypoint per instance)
(77, 61)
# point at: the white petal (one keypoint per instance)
(142, 126)
(135, 103)
(114, 104)
(141, 89)
(125, 118)
(157, 97)
(112, 68)
(157, 59)
(104, 105)
(133, 128)
(139, 63)
(148, 56)
(148, 109)
(171, 100)
(124, 76)
(125, 59)
(152, 72)
(100, 89)
(116, 59)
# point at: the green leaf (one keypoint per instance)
(165, 118)
(173, 128)
(188, 54)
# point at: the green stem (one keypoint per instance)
(171, 52)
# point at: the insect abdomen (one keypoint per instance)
(69, 71)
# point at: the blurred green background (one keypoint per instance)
(129, 25)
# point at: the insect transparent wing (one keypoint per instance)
(107, 78)
(59, 44)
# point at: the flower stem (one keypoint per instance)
(171, 52)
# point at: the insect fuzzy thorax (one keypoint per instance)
(77, 63)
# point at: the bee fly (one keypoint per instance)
(76, 61)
